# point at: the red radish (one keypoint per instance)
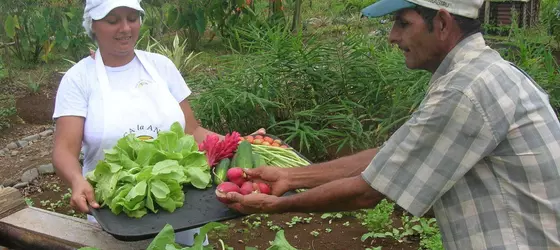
(247, 188)
(236, 175)
(224, 188)
(238, 182)
(263, 188)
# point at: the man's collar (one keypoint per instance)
(457, 54)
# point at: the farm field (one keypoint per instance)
(330, 87)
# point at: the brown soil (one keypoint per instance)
(345, 233)
(37, 108)
(18, 131)
(49, 192)
(31, 156)
(34, 112)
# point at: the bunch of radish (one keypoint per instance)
(239, 183)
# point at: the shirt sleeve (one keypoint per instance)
(176, 83)
(426, 156)
(71, 97)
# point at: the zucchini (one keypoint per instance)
(243, 158)
(258, 160)
(220, 171)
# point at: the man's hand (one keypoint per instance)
(254, 203)
(82, 195)
(275, 177)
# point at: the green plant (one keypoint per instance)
(3, 71)
(537, 60)
(177, 53)
(357, 5)
(36, 27)
(379, 219)
(137, 175)
(550, 18)
(321, 97)
(7, 110)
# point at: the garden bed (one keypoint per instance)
(302, 230)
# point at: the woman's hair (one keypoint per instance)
(88, 22)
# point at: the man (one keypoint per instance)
(482, 149)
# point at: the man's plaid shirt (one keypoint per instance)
(483, 149)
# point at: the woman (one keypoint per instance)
(119, 91)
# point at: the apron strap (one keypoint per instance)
(149, 67)
(104, 79)
(101, 73)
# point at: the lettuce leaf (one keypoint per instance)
(138, 176)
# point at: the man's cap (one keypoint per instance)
(466, 8)
(98, 9)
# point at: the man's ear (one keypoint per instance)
(443, 24)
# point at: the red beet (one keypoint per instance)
(247, 188)
(224, 188)
(263, 188)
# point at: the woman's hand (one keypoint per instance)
(82, 195)
(275, 177)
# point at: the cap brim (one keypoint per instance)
(100, 12)
(384, 7)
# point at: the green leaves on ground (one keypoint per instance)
(165, 240)
(136, 176)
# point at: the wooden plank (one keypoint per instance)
(66, 228)
(20, 238)
(11, 201)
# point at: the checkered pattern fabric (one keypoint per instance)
(482, 149)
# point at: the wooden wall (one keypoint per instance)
(500, 13)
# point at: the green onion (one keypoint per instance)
(280, 157)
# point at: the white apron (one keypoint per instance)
(143, 110)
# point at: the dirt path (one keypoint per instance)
(17, 161)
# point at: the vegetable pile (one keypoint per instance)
(138, 175)
(252, 153)
(264, 140)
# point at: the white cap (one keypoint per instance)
(98, 9)
(466, 8)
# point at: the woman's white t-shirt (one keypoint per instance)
(78, 84)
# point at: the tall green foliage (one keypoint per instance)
(550, 17)
(37, 27)
(322, 96)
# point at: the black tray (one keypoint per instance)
(199, 208)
